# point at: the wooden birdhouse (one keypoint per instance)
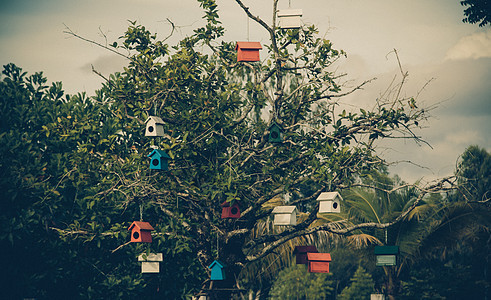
(141, 232)
(150, 262)
(248, 51)
(386, 255)
(155, 126)
(301, 253)
(318, 262)
(329, 202)
(159, 160)
(290, 18)
(275, 133)
(230, 212)
(285, 215)
(377, 297)
(217, 270)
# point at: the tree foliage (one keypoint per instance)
(75, 172)
(478, 11)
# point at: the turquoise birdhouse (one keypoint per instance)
(159, 160)
(275, 133)
(217, 270)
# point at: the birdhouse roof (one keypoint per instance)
(156, 120)
(388, 250)
(159, 153)
(217, 263)
(284, 209)
(248, 45)
(227, 204)
(319, 256)
(151, 257)
(275, 125)
(289, 12)
(329, 196)
(141, 225)
(305, 249)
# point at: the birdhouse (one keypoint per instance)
(285, 215)
(318, 262)
(159, 160)
(230, 212)
(248, 51)
(301, 253)
(217, 270)
(377, 297)
(155, 126)
(275, 133)
(150, 262)
(386, 255)
(329, 202)
(140, 232)
(290, 18)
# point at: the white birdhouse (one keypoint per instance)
(329, 202)
(290, 18)
(150, 262)
(155, 126)
(285, 215)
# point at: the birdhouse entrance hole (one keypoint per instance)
(335, 205)
(275, 135)
(136, 235)
(234, 210)
(150, 128)
(155, 162)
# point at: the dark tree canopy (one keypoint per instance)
(477, 11)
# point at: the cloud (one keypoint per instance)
(474, 46)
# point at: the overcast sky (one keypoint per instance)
(432, 42)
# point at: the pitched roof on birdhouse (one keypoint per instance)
(284, 209)
(248, 45)
(216, 263)
(386, 250)
(319, 256)
(159, 153)
(141, 225)
(326, 196)
(305, 249)
(155, 119)
(289, 12)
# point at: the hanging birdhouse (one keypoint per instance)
(290, 18)
(301, 253)
(248, 51)
(230, 212)
(141, 232)
(217, 270)
(275, 133)
(377, 297)
(318, 262)
(150, 262)
(329, 202)
(285, 215)
(386, 255)
(155, 126)
(159, 160)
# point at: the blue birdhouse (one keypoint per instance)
(159, 160)
(275, 133)
(217, 270)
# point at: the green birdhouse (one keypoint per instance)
(275, 133)
(386, 255)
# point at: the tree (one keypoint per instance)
(296, 282)
(478, 11)
(361, 287)
(474, 174)
(217, 114)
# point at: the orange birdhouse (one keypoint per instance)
(318, 262)
(230, 212)
(140, 232)
(248, 51)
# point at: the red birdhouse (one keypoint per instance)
(248, 51)
(230, 212)
(301, 253)
(318, 262)
(140, 232)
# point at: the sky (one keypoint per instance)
(448, 62)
